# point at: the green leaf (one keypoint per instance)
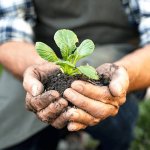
(89, 71)
(46, 52)
(86, 48)
(66, 40)
(65, 63)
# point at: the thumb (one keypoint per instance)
(119, 83)
(31, 82)
(35, 74)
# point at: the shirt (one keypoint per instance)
(139, 14)
(17, 124)
(17, 18)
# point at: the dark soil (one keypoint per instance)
(59, 81)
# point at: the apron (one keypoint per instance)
(103, 21)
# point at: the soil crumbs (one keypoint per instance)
(60, 82)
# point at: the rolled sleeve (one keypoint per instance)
(144, 28)
(138, 12)
(15, 30)
(16, 21)
(144, 23)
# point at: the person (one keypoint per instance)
(106, 24)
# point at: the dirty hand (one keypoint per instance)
(48, 105)
(95, 103)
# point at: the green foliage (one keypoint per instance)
(0, 69)
(142, 130)
(86, 48)
(66, 41)
(89, 71)
(92, 144)
(46, 52)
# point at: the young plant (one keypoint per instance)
(66, 41)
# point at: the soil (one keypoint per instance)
(59, 81)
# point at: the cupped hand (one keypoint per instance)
(95, 103)
(46, 105)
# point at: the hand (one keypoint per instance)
(95, 103)
(48, 105)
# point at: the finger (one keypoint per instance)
(52, 111)
(28, 103)
(107, 69)
(94, 92)
(41, 101)
(60, 121)
(119, 83)
(122, 100)
(93, 107)
(31, 83)
(34, 75)
(80, 116)
(75, 126)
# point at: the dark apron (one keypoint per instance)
(103, 21)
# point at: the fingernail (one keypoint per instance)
(34, 90)
(54, 93)
(117, 90)
(72, 127)
(119, 87)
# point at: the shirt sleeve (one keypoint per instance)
(17, 18)
(138, 12)
(144, 21)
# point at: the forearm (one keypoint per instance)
(138, 68)
(17, 56)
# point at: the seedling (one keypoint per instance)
(66, 40)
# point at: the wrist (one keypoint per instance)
(132, 71)
(17, 56)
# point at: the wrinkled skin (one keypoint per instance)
(96, 103)
(92, 103)
(46, 105)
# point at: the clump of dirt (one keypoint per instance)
(59, 81)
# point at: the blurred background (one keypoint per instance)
(0, 69)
